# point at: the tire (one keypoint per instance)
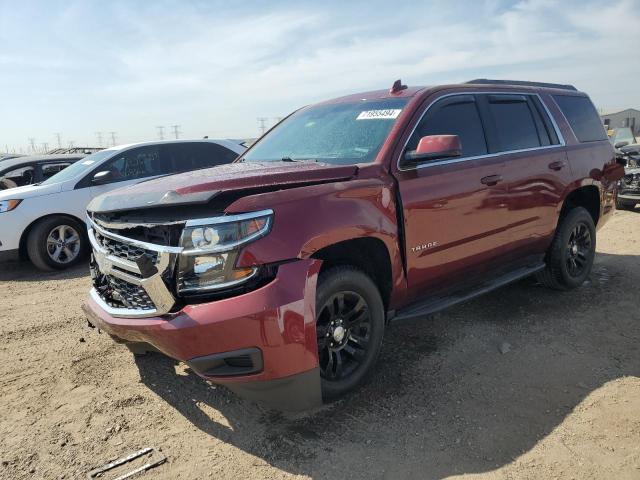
(46, 249)
(570, 257)
(349, 347)
(624, 206)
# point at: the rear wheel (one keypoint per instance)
(56, 243)
(571, 255)
(349, 326)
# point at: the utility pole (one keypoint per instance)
(99, 137)
(160, 132)
(113, 139)
(176, 130)
(57, 135)
(32, 142)
(262, 124)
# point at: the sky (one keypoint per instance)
(214, 67)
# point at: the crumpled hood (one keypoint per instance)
(30, 191)
(200, 186)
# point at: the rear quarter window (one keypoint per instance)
(582, 117)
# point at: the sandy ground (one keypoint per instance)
(562, 401)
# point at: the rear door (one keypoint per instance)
(455, 210)
(536, 170)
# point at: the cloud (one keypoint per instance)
(215, 67)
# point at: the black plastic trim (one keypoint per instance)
(220, 364)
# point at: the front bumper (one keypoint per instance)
(278, 319)
(629, 197)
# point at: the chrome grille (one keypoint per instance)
(128, 295)
(124, 250)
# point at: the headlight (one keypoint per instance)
(211, 248)
(8, 205)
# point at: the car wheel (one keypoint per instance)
(57, 243)
(570, 257)
(624, 206)
(349, 327)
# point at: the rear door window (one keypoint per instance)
(456, 115)
(582, 116)
(515, 123)
(184, 157)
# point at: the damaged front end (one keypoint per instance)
(153, 268)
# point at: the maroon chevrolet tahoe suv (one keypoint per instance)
(277, 275)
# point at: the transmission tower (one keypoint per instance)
(176, 130)
(58, 137)
(262, 124)
(99, 137)
(113, 138)
(32, 142)
(45, 147)
(71, 143)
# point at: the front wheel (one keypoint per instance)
(56, 243)
(349, 327)
(570, 257)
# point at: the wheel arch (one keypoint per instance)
(587, 196)
(369, 254)
(25, 234)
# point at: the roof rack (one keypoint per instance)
(486, 81)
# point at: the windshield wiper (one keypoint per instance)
(288, 159)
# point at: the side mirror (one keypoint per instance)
(621, 144)
(103, 177)
(434, 147)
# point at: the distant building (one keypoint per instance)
(626, 118)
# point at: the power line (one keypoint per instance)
(262, 124)
(176, 130)
(161, 132)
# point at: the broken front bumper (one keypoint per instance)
(272, 327)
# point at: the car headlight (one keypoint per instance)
(211, 248)
(8, 205)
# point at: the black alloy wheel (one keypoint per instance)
(578, 249)
(349, 328)
(343, 329)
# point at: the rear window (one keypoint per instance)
(582, 116)
(514, 121)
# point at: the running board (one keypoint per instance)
(437, 304)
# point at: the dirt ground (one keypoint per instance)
(522, 383)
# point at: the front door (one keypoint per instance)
(455, 210)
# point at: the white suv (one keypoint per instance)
(46, 221)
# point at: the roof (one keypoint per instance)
(20, 161)
(607, 114)
(408, 92)
(230, 144)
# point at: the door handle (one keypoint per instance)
(491, 179)
(556, 165)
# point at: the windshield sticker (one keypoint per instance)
(379, 114)
(88, 162)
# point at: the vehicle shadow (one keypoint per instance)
(465, 391)
(24, 271)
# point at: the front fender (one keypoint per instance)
(307, 219)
